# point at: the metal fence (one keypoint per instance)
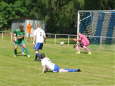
(5, 35)
(66, 38)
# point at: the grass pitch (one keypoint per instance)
(98, 69)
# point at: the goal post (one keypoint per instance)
(99, 25)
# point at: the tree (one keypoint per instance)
(59, 15)
(10, 10)
(99, 4)
(3, 14)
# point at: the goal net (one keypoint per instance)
(99, 25)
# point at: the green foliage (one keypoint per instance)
(99, 4)
(3, 13)
(10, 11)
(59, 15)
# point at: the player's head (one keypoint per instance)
(21, 27)
(38, 25)
(79, 33)
(42, 55)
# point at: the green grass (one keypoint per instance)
(98, 69)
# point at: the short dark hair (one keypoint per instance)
(21, 27)
(42, 55)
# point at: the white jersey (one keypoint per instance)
(39, 35)
(47, 62)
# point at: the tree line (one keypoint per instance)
(60, 16)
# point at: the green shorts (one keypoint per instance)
(18, 42)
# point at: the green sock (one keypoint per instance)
(26, 50)
(15, 51)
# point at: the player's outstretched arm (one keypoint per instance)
(19, 37)
(34, 39)
(44, 69)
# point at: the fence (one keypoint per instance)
(66, 38)
(5, 35)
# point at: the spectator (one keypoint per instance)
(28, 29)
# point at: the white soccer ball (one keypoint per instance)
(61, 43)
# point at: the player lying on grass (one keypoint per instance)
(83, 42)
(47, 65)
(18, 39)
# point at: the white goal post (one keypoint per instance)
(97, 23)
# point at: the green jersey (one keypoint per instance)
(19, 33)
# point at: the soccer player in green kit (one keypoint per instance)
(18, 39)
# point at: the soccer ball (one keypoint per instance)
(61, 43)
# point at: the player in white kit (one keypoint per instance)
(38, 39)
(48, 65)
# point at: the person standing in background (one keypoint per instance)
(28, 29)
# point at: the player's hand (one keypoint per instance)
(14, 39)
(33, 42)
(45, 41)
(75, 39)
(19, 37)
